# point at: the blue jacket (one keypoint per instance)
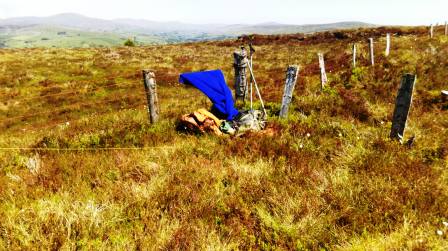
(213, 84)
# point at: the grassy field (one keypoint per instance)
(326, 178)
(41, 36)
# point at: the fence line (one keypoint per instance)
(371, 43)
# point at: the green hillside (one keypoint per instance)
(82, 31)
(33, 37)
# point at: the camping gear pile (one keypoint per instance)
(203, 121)
(224, 118)
(200, 122)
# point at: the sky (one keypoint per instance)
(392, 12)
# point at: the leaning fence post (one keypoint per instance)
(354, 55)
(291, 78)
(372, 56)
(240, 65)
(387, 44)
(151, 95)
(323, 74)
(402, 106)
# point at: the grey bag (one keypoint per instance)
(250, 121)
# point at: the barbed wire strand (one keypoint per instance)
(84, 117)
(71, 121)
(67, 92)
(84, 149)
(64, 108)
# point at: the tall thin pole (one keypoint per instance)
(258, 91)
(446, 28)
(251, 63)
(251, 89)
(372, 56)
(354, 55)
(244, 52)
(387, 44)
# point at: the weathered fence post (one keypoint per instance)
(323, 74)
(151, 95)
(292, 74)
(446, 28)
(402, 106)
(240, 65)
(354, 55)
(372, 55)
(431, 31)
(387, 44)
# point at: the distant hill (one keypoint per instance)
(274, 28)
(74, 30)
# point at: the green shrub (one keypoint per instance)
(129, 43)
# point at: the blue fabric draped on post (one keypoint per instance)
(213, 84)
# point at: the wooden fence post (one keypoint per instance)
(151, 95)
(431, 31)
(240, 65)
(354, 55)
(446, 28)
(323, 74)
(372, 55)
(292, 74)
(402, 106)
(387, 44)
